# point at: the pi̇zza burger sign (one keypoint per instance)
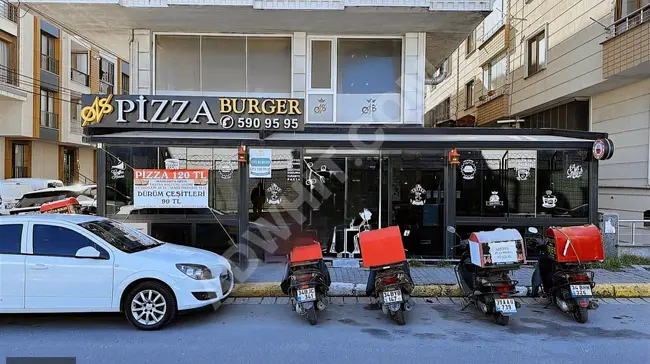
(603, 149)
(191, 113)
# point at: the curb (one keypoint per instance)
(337, 289)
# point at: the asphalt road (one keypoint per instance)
(273, 333)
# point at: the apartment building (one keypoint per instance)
(566, 64)
(44, 70)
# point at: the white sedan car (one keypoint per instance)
(78, 263)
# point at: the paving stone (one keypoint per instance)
(445, 300)
(527, 300)
(607, 301)
(240, 301)
(269, 300)
(457, 300)
(282, 300)
(228, 301)
(647, 299)
(420, 301)
(254, 300)
(337, 300)
(350, 300)
(364, 300)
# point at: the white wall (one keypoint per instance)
(86, 162)
(574, 57)
(624, 180)
(45, 160)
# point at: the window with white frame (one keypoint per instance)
(258, 66)
(495, 19)
(354, 80)
(494, 73)
(536, 57)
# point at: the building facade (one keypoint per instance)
(570, 65)
(44, 70)
(335, 99)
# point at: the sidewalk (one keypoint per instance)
(631, 282)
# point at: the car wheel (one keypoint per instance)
(150, 306)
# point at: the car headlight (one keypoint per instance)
(195, 271)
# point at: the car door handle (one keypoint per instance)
(38, 266)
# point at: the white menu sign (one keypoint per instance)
(164, 188)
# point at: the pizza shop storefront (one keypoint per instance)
(269, 174)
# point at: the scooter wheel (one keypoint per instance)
(581, 315)
(311, 315)
(399, 317)
(500, 319)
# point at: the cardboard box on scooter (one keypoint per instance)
(382, 247)
(497, 248)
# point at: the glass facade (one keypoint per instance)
(325, 191)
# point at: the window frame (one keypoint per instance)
(334, 72)
(111, 77)
(53, 96)
(470, 43)
(439, 110)
(534, 41)
(487, 69)
(49, 52)
(12, 57)
(618, 9)
(104, 252)
(470, 92)
(86, 72)
(23, 236)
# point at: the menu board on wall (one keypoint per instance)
(294, 170)
(164, 188)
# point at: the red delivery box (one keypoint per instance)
(306, 252)
(585, 244)
(382, 247)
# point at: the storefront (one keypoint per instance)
(320, 178)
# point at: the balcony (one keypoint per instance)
(626, 51)
(105, 88)
(9, 12)
(79, 77)
(49, 126)
(8, 76)
(50, 64)
(492, 107)
(75, 126)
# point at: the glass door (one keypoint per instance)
(417, 201)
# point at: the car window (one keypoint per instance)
(61, 241)
(122, 237)
(11, 238)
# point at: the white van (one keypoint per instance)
(38, 183)
(10, 193)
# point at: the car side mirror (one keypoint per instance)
(88, 252)
(451, 229)
(532, 230)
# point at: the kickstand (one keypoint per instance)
(469, 303)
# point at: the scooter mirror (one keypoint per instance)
(532, 230)
(451, 229)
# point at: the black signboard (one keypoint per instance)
(192, 113)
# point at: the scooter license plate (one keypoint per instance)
(505, 305)
(307, 295)
(393, 297)
(580, 290)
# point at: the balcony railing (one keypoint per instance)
(8, 11)
(75, 126)
(629, 21)
(20, 172)
(8, 75)
(50, 64)
(79, 77)
(49, 119)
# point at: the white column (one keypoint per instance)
(141, 62)
(299, 58)
(413, 95)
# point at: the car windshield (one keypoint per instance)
(124, 238)
(39, 198)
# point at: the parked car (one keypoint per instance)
(30, 202)
(10, 193)
(39, 183)
(86, 195)
(55, 263)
